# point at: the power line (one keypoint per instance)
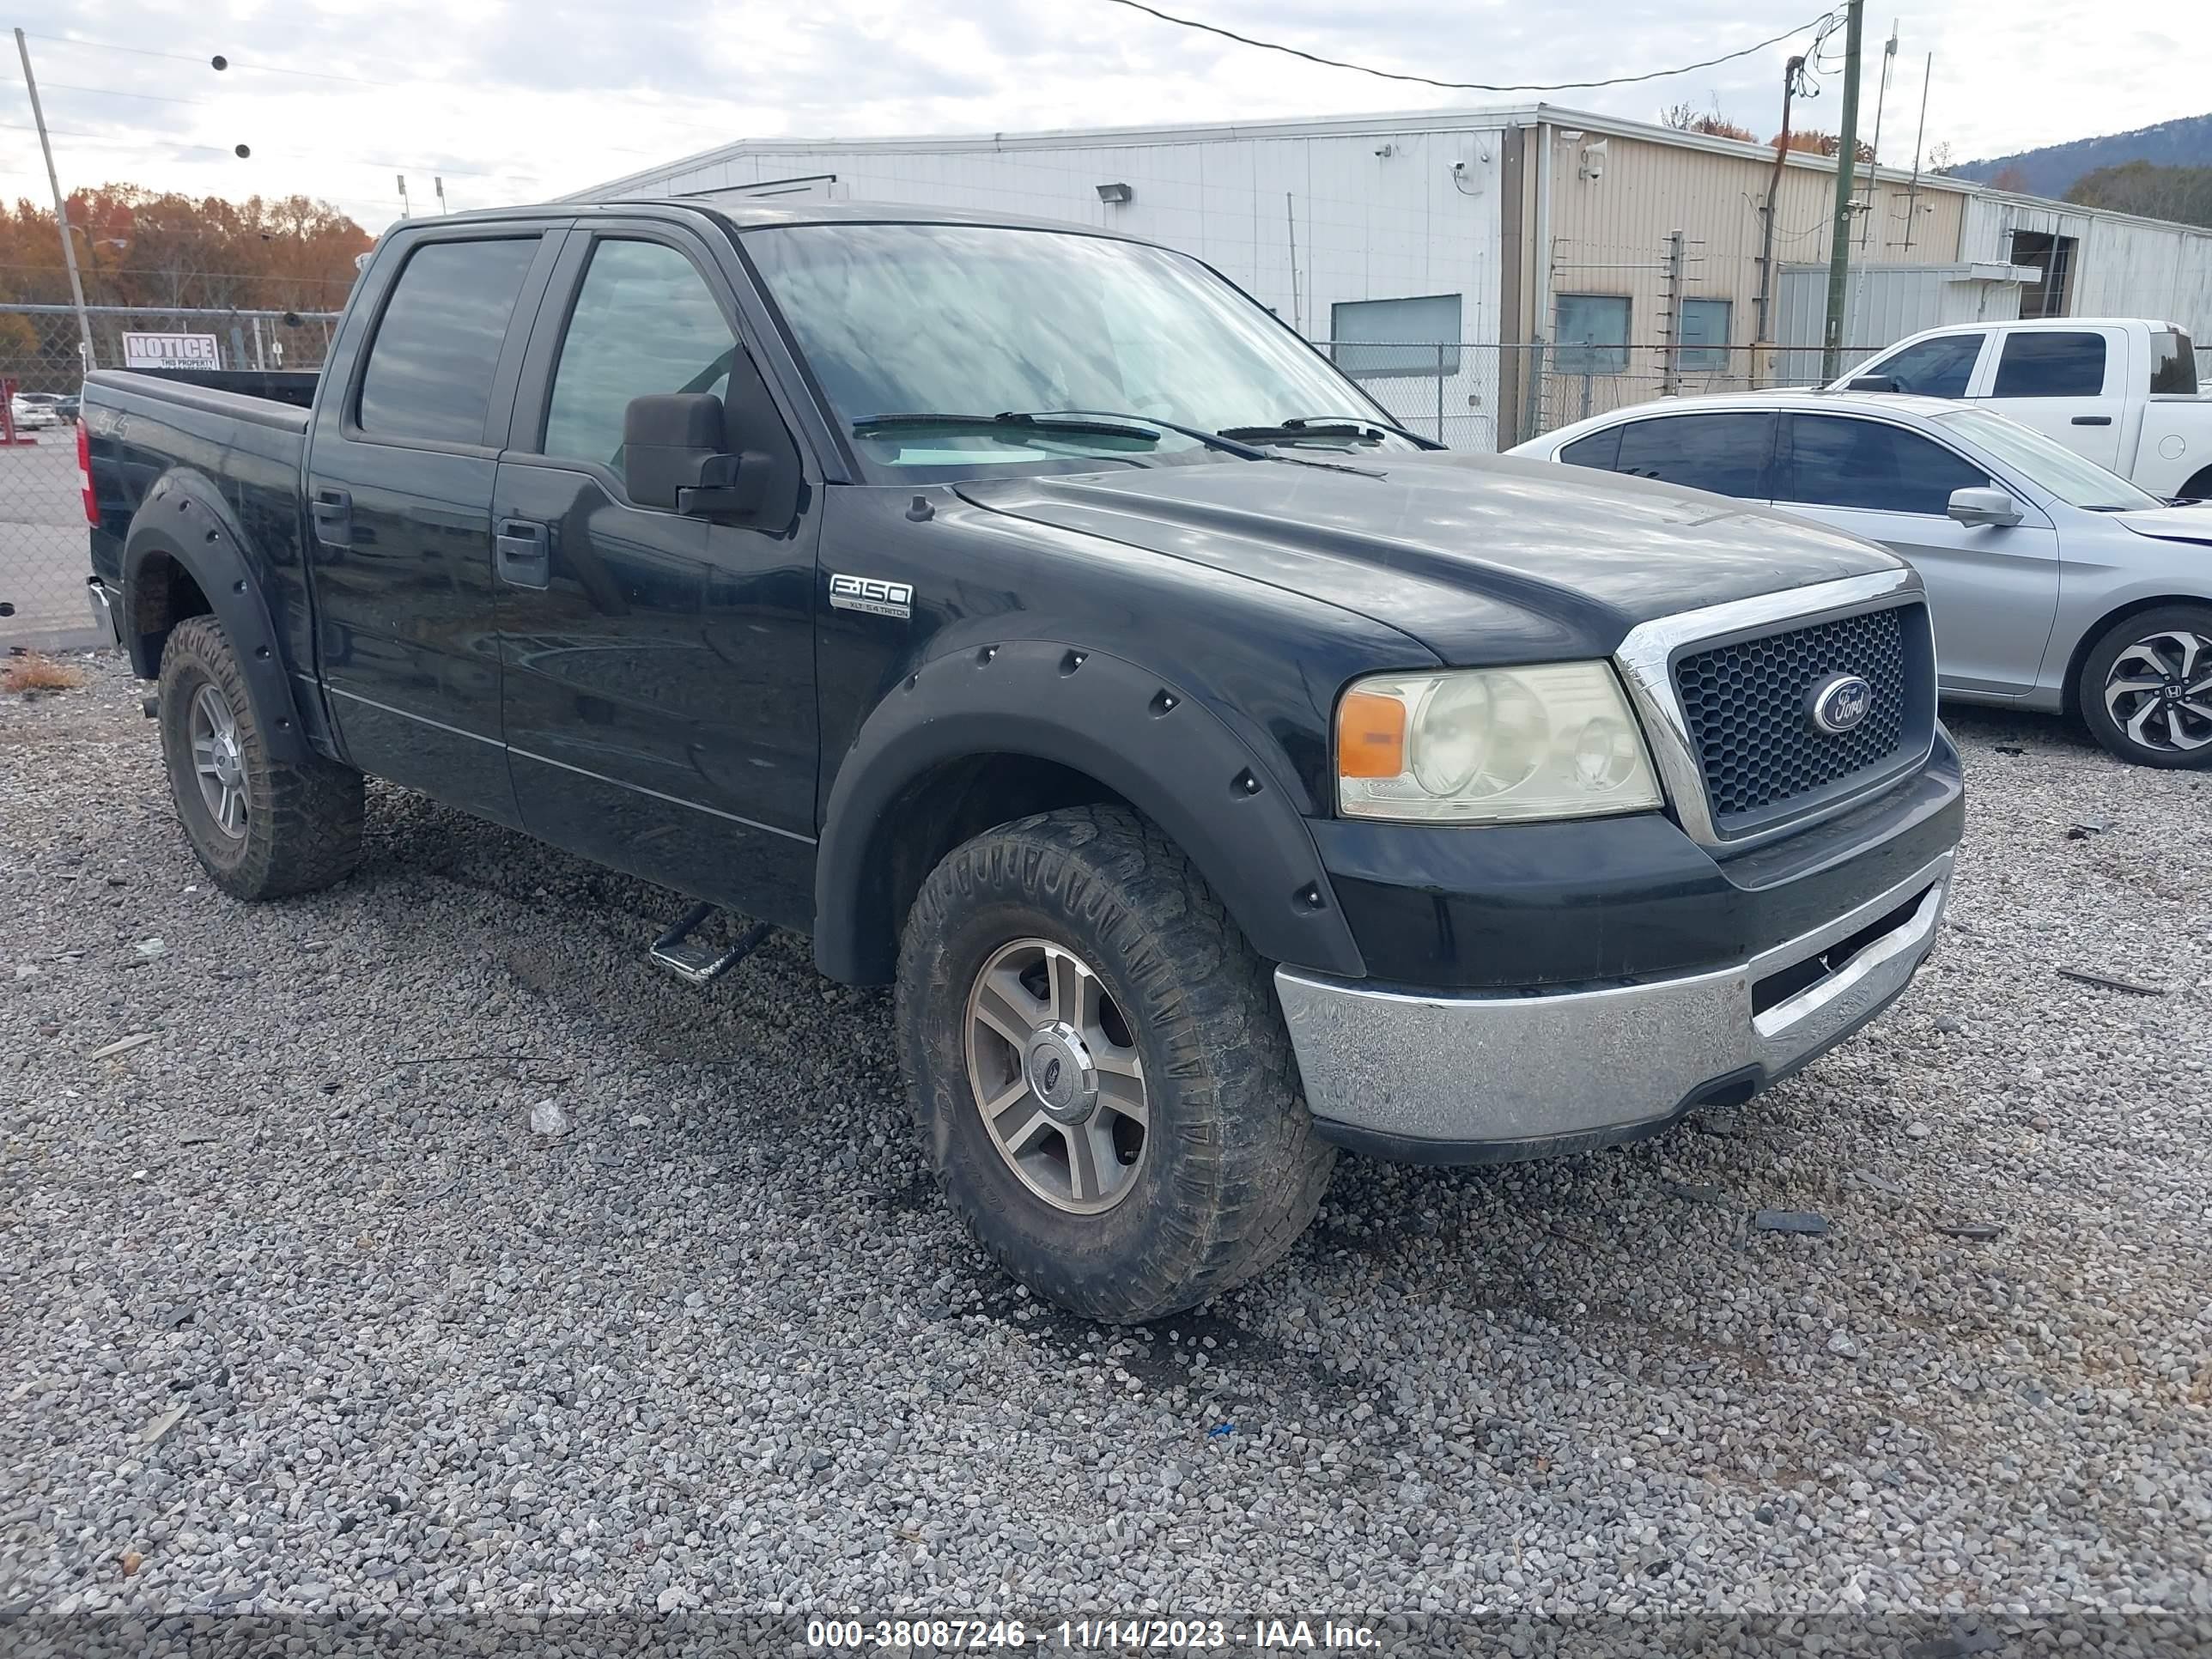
(1469, 86)
(186, 58)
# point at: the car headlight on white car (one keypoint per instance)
(1492, 745)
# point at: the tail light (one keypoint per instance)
(84, 469)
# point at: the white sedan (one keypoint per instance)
(33, 409)
(2054, 585)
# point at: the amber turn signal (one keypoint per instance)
(1370, 736)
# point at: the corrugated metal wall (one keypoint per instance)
(2122, 267)
(1302, 223)
(1610, 232)
(1885, 303)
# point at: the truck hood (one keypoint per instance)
(2171, 524)
(1482, 559)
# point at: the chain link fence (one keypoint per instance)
(1472, 395)
(43, 560)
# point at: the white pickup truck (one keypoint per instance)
(2122, 391)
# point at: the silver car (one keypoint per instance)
(2054, 584)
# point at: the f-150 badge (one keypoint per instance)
(878, 598)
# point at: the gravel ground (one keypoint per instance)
(294, 1320)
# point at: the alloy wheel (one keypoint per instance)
(218, 760)
(2160, 692)
(1053, 1065)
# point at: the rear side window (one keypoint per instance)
(430, 366)
(1601, 450)
(2039, 365)
(2173, 364)
(645, 322)
(1935, 368)
(1834, 461)
(1724, 454)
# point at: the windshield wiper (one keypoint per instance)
(1054, 425)
(1295, 427)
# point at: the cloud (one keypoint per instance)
(518, 101)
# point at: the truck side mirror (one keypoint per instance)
(1871, 383)
(1977, 507)
(675, 455)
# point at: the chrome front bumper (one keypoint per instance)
(1455, 1077)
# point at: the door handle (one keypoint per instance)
(2093, 419)
(523, 550)
(333, 511)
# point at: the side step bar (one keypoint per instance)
(695, 965)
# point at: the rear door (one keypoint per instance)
(400, 469)
(1993, 591)
(1726, 451)
(2069, 384)
(658, 668)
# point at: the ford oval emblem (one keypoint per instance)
(1839, 704)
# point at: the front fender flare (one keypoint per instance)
(185, 518)
(1231, 811)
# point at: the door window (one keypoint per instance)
(429, 369)
(1601, 450)
(1940, 368)
(1837, 460)
(1724, 454)
(645, 322)
(2035, 364)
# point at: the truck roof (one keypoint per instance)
(749, 215)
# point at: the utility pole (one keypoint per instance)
(1840, 239)
(61, 204)
(1794, 67)
(406, 211)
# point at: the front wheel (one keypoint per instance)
(1099, 1070)
(2146, 687)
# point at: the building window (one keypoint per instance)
(1704, 338)
(1377, 339)
(2052, 257)
(1593, 334)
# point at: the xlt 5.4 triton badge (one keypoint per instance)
(878, 598)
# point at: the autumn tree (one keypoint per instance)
(1686, 116)
(1811, 141)
(2181, 194)
(2009, 177)
(140, 248)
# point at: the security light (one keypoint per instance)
(1115, 194)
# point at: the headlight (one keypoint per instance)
(1489, 746)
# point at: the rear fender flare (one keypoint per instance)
(186, 518)
(1233, 811)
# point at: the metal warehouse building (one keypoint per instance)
(1490, 273)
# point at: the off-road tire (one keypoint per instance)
(1232, 1171)
(303, 822)
(2089, 689)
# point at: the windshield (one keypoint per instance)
(984, 319)
(2049, 465)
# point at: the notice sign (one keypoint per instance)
(170, 351)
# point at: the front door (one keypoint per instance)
(658, 668)
(399, 490)
(1992, 591)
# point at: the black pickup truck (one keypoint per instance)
(1221, 775)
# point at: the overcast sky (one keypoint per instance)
(512, 102)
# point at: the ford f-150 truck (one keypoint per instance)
(1221, 775)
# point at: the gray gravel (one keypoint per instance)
(291, 1322)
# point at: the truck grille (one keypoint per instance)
(1747, 706)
